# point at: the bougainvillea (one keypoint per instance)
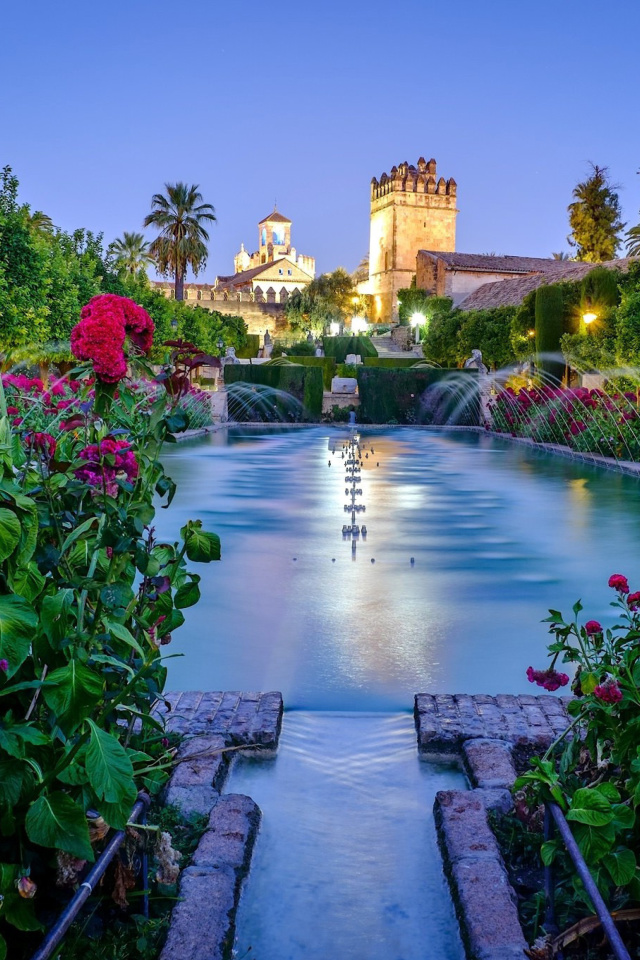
(105, 324)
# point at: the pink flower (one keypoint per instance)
(549, 679)
(633, 600)
(42, 443)
(593, 627)
(100, 336)
(608, 692)
(619, 583)
(4, 665)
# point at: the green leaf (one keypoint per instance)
(54, 820)
(624, 816)
(72, 692)
(201, 547)
(177, 421)
(122, 633)
(608, 790)
(116, 596)
(548, 852)
(54, 616)
(588, 682)
(3, 948)
(10, 531)
(594, 842)
(621, 865)
(28, 582)
(108, 765)
(117, 814)
(187, 594)
(77, 532)
(588, 806)
(18, 622)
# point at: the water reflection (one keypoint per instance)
(499, 533)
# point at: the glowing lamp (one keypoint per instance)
(417, 319)
(358, 324)
(334, 328)
(589, 317)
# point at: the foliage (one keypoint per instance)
(390, 362)
(130, 253)
(338, 414)
(250, 347)
(304, 348)
(588, 421)
(88, 600)
(594, 218)
(417, 395)
(549, 329)
(180, 216)
(327, 365)
(276, 391)
(340, 347)
(329, 297)
(487, 331)
(593, 770)
(441, 342)
(627, 320)
(415, 300)
(346, 370)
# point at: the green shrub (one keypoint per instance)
(299, 396)
(250, 348)
(304, 348)
(339, 347)
(390, 363)
(346, 370)
(328, 365)
(549, 329)
(339, 414)
(421, 395)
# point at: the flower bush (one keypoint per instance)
(89, 599)
(588, 421)
(593, 770)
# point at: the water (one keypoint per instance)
(346, 861)
(499, 533)
(346, 864)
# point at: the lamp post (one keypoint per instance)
(220, 345)
(588, 318)
(416, 321)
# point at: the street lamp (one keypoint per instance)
(220, 345)
(588, 318)
(416, 321)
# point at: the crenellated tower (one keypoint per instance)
(411, 209)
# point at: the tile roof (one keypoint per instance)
(275, 217)
(489, 263)
(246, 276)
(508, 293)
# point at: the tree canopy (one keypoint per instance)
(594, 218)
(330, 297)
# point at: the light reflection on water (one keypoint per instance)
(346, 863)
(499, 534)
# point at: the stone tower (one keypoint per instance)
(411, 210)
(274, 237)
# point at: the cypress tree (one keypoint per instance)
(594, 218)
(549, 329)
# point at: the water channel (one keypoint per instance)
(346, 862)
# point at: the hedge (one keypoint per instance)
(251, 347)
(328, 365)
(412, 396)
(303, 385)
(339, 347)
(391, 362)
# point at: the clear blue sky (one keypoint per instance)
(100, 104)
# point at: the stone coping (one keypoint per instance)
(214, 725)
(493, 737)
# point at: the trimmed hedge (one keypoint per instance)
(412, 396)
(300, 399)
(251, 347)
(328, 365)
(391, 363)
(339, 347)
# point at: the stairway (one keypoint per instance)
(387, 348)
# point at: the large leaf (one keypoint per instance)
(122, 633)
(18, 622)
(10, 531)
(28, 582)
(590, 807)
(187, 594)
(594, 842)
(54, 820)
(78, 532)
(621, 864)
(117, 814)
(201, 547)
(72, 692)
(54, 617)
(108, 765)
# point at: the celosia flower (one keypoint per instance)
(549, 679)
(100, 336)
(609, 691)
(619, 583)
(42, 443)
(592, 628)
(107, 462)
(27, 888)
(4, 665)
(633, 600)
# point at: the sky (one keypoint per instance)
(101, 104)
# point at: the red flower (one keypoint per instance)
(107, 462)
(619, 583)
(549, 679)
(633, 600)
(593, 627)
(608, 692)
(42, 443)
(100, 335)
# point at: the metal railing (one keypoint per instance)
(55, 935)
(555, 819)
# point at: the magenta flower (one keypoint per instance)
(619, 583)
(593, 627)
(4, 665)
(549, 679)
(608, 692)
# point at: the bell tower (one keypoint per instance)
(274, 237)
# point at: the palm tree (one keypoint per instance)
(179, 217)
(130, 253)
(633, 241)
(561, 256)
(41, 222)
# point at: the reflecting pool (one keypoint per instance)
(498, 532)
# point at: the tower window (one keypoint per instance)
(281, 271)
(278, 236)
(263, 239)
(289, 271)
(386, 260)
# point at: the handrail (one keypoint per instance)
(611, 931)
(55, 935)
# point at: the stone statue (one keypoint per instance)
(230, 356)
(268, 345)
(475, 361)
(319, 350)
